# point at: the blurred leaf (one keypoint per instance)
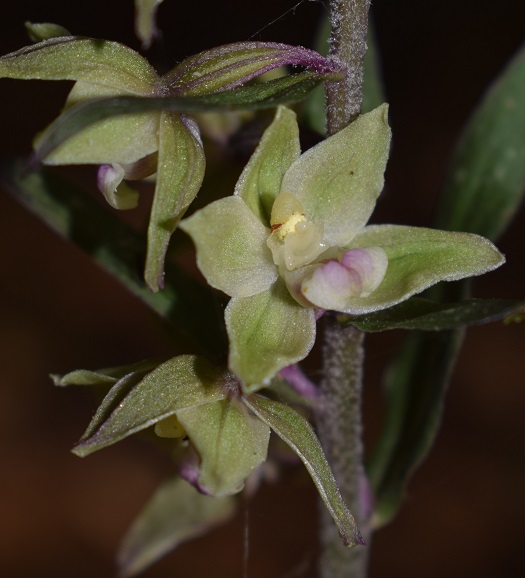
(425, 315)
(135, 404)
(176, 513)
(295, 430)
(287, 89)
(486, 180)
(145, 21)
(415, 390)
(230, 441)
(75, 215)
(484, 189)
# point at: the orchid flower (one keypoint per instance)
(137, 145)
(294, 238)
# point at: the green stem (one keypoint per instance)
(339, 415)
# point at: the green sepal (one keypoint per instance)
(231, 247)
(419, 258)
(426, 315)
(180, 171)
(176, 513)
(75, 58)
(260, 181)
(267, 332)
(230, 441)
(38, 31)
(295, 430)
(339, 180)
(108, 376)
(135, 402)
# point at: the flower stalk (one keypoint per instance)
(339, 414)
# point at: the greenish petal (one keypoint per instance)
(260, 181)
(267, 332)
(339, 180)
(177, 512)
(180, 170)
(75, 58)
(295, 430)
(230, 441)
(419, 258)
(38, 31)
(231, 247)
(135, 404)
(145, 25)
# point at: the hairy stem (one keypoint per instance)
(338, 413)
(339, 423)
(349, 23)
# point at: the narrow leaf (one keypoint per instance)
(183, 381)
(295, 430)
(283, 90)
(180, 171)
(425, 315)
(176, 513)
(74, 214)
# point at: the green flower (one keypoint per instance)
(293, 239)
(133, 146)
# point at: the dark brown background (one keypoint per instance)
(62, 517)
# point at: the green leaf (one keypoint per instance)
(131, 406)
(180, 171)
(231, 65)
(231, 247)
(38, 31)
(283, 90)
(176, 513)
(74, 214)
(419, 258)
(145, 27)
(260, 181)
(107, 376)
(267, 332)
(339, 180)
(75, 58)
(295, 430)
(415, 388)
(231, 443)
(425, 315)
(486, 180)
